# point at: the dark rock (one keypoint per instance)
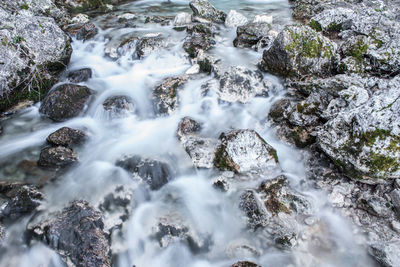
(76, 233)
(79, 76)
(251, 34)
(66, 137)
(278, 109)
(204, 9)
(148, 44)
(163, 20)
(81, 31)
(65, 101)
(188, 126)
(119, 106)
(22, 200)
(57, 157)
(165, 95)
(196, 42)
(254, 209)
(245, 264)
(155, 173)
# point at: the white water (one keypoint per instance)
(209, 212)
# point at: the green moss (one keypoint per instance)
(24, 6)
(222, 161)
(205, 65)
(358, 50)
(382, 163)
(274, 155)
(315, 25)
(191, 51)
(334, 27)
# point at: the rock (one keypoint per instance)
(253, 34)
(204, 9)
(375, 205)
(2, 234)
(201, 150)
(67, 137)
(122, 45)
(254, 209)
(147, 45)
(57, 157)
(332, 20)
(263, 19)
(245, 264)
(80, 19)
(188, 126)
(300, 51)
(163, 20)
(22, 200)
(84, 31)
(182, 18)
(244, 151)
(79, 76)
(279, 109)
(165, 95)
(387, 254)
(119, 106)
(75, 6)
(155, 173)
(34, 51)
(198, 41)
(65, 101)
(126, 17)
(239, 84)
(235, 19)
(76, 233)
(395, 195)
(363, 136)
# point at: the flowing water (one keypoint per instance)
(212, 215)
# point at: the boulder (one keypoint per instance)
(244, 151)
(300, 51)
(165, 95)
(67, 137)
(201, 150)
(119, 106)
(76, 6)
(254, 35)
(76, 233)
(204, 9)
(387, 254)
(82, 31)
(79, 76)
(235, 19)
(199, 39)
(65, 101)
(57, 157)
(188, 126)
(149, 44)
(182, 18)
(332, 20)
(245, 264)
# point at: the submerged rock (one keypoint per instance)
(79, 76)
(66, 136)
(244, 151)
(65, 101)
(204, 9)
(119, 106)
(298, 51)
(57, 157)
(82, 31)
(155, 173)
(165, 95)
(76, 233)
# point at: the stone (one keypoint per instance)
(332, 20)
(149, 44)
(67, 137)
(79, 76)
(254, 209)
(119, 106)
(197, 42)
(165, 95)
(395, 195)
(76, 233)
(182, 18)
(57, 157)
(201, 150)
(65, 101)
(188, 126)
(252, 34)
(245, 264)
(83, 32)
(204, 9)
(387, 254)
(235, 19)
(245, 151)
(300, 51)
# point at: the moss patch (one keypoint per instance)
(315, 25)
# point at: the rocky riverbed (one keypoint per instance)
(197, 133)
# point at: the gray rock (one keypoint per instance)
(201, 150)
(332, 20)
(79, 76)
(245, 151)
(66, 136)
(198, 41)
(235, 19)
(163, 20)
(188, 126)
(84, 31)
(387, 254)
(254, 209)
(395, 195)
(119, 106)
(149, 44)
(165, 95)
(182, 18)
(75, 6)
(204, 9)
(299, 51)
(245, 264)
(252, 34)
(65, 101)
(76, 233)
(57, 157)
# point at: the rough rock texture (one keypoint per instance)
(65, 101)
(66, 136)
(200, 38)
(165, 95)
(82, 31)
(204, 9)
(298, 51)
(188, 126)
(201, 150)
(57, 157)
(119, 106)
(33, 50)
(150, 43)
(182, 18)
(155, 173)
(235, 19)
(254, 35)
(245, 264)
(79, 76)
(76, 233)
(387, 254)
(76, 6)
(244, 151)
(239, 84)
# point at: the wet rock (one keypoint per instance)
(65, 101)
(84, 31)
(235, 19)
(79, 76)
(201, 150)
(21, 200)
(197, 42)
(80, 18)
(221, 184)
(244, 151)
(332, 20)
(188, 126)
(165, 95)
(254, 209)
(126, 17)
(67, 137)
(182, 18)
(204, 9)
(163, 20)
(239, 84)
(156, 173)
(119, 106)
(149, 44)
(76, 233)
(395, 195)
(299, 51)
(122, 45)
(375, 205)
(57, 157)
(387, 254)
(75, 6)
(252, 34)
(279, 109)
(245, 264)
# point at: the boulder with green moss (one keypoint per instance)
(165, 95)
(363, 137)
(300, 51)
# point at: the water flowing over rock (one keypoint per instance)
(83, 31)
(245, 264)
(205, 9)
(57, 157)
(76, 233)
(66, 136)
(244, 151)
(165, 95)
(79, 76)
(65, 101)
(119, 106)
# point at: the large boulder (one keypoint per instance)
(253, 35)
(300, 51)
(204, 9)
(76, 233)
(244, 151)
(65, 101)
